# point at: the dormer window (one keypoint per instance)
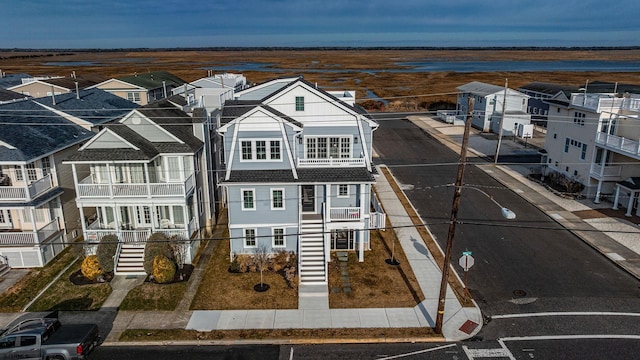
(261, 150)
(299, 103)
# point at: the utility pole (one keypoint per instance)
(452, 221)
(504, 107)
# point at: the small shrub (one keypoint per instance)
(157, 244)
(234, 267)
(107, 251)
(246, 263)
(164, 269)
(91, 267)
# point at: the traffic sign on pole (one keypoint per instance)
(466, 261)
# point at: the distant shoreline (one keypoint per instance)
(333, 48)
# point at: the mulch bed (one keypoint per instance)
(77, 278)
(186, 271)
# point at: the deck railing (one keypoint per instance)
(611, 172)
(87, 189)
(618, 143)
(20, 192)
(8, 238)
(344, 213)
(350, 162)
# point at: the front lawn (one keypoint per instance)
(18, 296)
(374, 283)
(152, 296)
(222, 290)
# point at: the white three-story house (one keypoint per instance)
(143, 174)
(297, 172)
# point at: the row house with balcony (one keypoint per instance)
(38, 216)
(297, 172)
(594, 138)
(142, 174)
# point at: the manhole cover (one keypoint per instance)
(519, 292)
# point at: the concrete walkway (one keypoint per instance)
(120, 287)
(313, 312)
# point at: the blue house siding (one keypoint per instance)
(263, 213)
(264, 236)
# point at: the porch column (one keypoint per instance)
(327, 219)
(632, 196)
(615, 200)
(187, 221)
(154, 217)
(147, 180)
(33, 222)
(25, 181)
(110, 181)
(83, 221)
(360, 245)
(75, 178)
(596, 200)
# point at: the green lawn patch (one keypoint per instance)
(152, 296)
(18, 296)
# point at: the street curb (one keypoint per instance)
(275, 342)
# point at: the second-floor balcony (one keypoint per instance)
(29, 238)
(332, 162)
(608, 172)
(619, 144)
(87, 188)
(25, 191)
(96, 231)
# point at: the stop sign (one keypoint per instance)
(466, 261)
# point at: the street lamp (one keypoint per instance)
(446, 265)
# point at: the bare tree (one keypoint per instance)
(180, 249)
(261, 260)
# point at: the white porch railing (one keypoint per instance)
(611, 172)
(344, 213)
(351, 162)
(87, 189)
(141, 235)
(377, 219)
(29, 237)
(20, 192)
(619, 144)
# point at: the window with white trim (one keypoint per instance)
(18, 171)
(343, 190)
(248, 199)
(278, 237)
(317, 147)
(250, 238)
(277, 199)
(261, 150)
(46, 165)
(133, 96)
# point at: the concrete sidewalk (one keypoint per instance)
(424, 267)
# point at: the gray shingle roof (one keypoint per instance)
(153, 80)
(35, 132)
(173, 120)
(70, 83)
(306, 175)
(9, 96)
(235, 108)
(95, 105)
(479, 88)
(631, 183)
(548, 88)
(10, 80)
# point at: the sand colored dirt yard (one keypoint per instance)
(341, 69)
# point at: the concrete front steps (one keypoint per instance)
(131, 260)
(312, 252)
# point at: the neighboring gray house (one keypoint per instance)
(141, 174)
(297, 171)
(37, 213)
(538, 92)
(487, 110)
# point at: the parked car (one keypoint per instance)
(46, 338)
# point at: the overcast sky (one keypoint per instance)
(212, 23)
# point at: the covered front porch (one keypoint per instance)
(630, 190)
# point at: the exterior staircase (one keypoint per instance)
(131, 259)
(312, 252)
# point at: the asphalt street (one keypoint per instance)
(526, 265)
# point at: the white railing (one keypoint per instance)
(19, 192)
(48, 230)
(618, 143)
(611, 172)
(448, 116)
(377, 219)
(94, 236)
(179, 233)
(86, 188)
(8, 238)
(344, 213)
(192, 226)
(351, 162)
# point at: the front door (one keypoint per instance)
(308, 198)
(343, 239)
